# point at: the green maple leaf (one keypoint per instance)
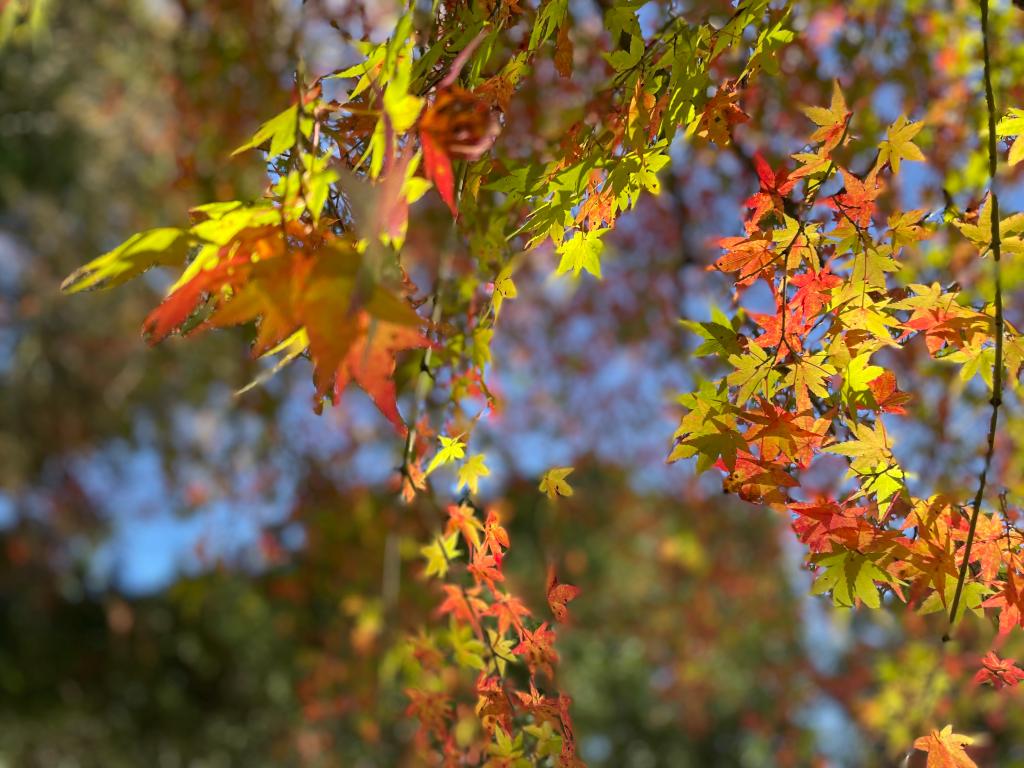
(581, 252)
(708, 430)
(850, 576)
(468, 650)
(873, 461)
(1013, 125)
(753, 369)
(155, 247)
(720, 337)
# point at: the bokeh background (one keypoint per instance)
(190, 578)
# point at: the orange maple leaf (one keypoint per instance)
(946, 749)
(559, 595)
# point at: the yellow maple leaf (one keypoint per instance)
(471, 471)
(439, 553)
(452, 448)
(898, 144)
(554, 484)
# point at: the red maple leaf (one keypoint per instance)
(559, 595)
(458, 124)
(465, 605)
(773, 330)
(509, 611)
(888, 397)
(1011, 602)
(857, 200)
(368, 359)
(538, 649)
(998, 672)
(814, 291)
(774, 187)
(486, 569)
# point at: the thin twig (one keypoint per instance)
(997, 373)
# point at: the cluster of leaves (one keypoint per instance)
(804, 383)
(317, 265)
(319, 268)
(489, 628)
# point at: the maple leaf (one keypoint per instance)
(462, 519)
(719, 335)
(721, 113)
(504, 288)
(851, 578)
(1010, 601)
(898, 144)
(857, 200)
(814, 292)
(509, 610)
(301, 295)
(537, 648)
(1013, 125)
(458, 124)
(773, 330)
(888, 398)
(554, 484)
(979, 232)
(708, 430)
(581, 252)
(439, 553)
(563, 52)
(559, 595)
(778, 433)
(942, 319)
(755, 370)
(946, 749)
(493, 703)
(430, 709)
(756, 481)
(872, 460)
(998, 672)
(464, 605)
(471, 471)
(823, 523)
(486, 568)
(495, 535)
(752, 257)
(774, 187)
(831, 122)
(992, 538)
(905, 228)
(452, 448)
(155, 247)
(437, 166)
(370, 362)
(467, 648)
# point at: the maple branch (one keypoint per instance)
(425, 377)
(997, 366)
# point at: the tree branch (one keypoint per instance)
(997, 373)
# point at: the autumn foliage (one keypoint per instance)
(810, 372)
